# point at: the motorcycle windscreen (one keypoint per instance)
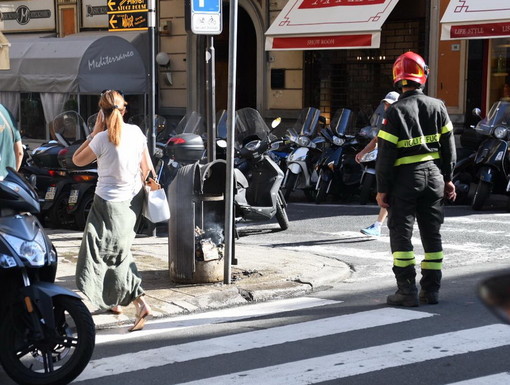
(191, 123)
(249, 126)
(499, 115)
(342, 121)
(307, 123)
(68, 127)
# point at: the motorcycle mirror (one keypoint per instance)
(495, 294)
(276, 122)
(477, 112)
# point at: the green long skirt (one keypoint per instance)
(106, 272)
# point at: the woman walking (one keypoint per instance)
(106, 272)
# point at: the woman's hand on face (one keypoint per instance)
(99, 126)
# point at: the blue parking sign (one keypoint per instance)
(204, 17)
(206, 6)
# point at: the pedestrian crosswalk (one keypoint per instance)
(316, 369)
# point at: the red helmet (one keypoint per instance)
(410, 67)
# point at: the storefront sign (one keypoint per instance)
(129, 15)
(94, 14)
(322, 42)
(337, 3)
(28, 15)
(479, 30)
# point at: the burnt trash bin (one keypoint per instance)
(196, 226)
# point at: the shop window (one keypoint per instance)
(31, 121)
(499, 82)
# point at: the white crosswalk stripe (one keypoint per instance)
(362, 361)
(305, 371)
(251, 340)
(212, 317)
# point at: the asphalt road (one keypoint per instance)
(346, 335)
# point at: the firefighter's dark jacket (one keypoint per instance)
(417, 129)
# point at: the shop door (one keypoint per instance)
(246, 62)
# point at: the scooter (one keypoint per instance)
(301, 172)
(336, 171)
(492, 159)
(47, 334)
(258, 178)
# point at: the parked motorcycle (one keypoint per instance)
(52, 180)
(257, 177)
(47, 334)
(464, 173)
(301, 172)
(492, 159)
(336, 170)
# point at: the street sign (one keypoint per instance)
(127, 6)
(131, 15)
(133, 21)
(206, 17)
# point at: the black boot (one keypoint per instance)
(430, 283)
(407, 293)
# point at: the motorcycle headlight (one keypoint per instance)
(303, 141)
(296, 158)
(253, 145)
(30, 252)
(338, 141)
(369, 157)
(500, 132)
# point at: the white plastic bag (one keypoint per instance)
(155, 205)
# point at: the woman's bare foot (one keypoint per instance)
(143, 311)
(116, 309)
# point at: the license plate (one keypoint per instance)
(50, 193)
(73, 197)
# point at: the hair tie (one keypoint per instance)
(115, 106)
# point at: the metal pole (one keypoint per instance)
(211, 99)
(152, 75)
(231, 111)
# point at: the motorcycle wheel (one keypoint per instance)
(366, 188)
(281, 215)
(322, 191)
(56, 358)
(482, 193)
(82, 213)
(57, 215)
(290, 183)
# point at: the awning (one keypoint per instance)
(328, 24)
(79, 63)
(476, 19)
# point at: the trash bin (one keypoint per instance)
(196, 226)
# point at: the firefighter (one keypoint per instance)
(414, 173)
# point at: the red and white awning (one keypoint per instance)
(328, 24)
(476, 19)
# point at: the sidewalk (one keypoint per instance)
(262, 274)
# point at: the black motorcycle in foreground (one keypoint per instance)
(47, 334)
(492, 159)
(257, 177)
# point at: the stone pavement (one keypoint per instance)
(262, 273)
